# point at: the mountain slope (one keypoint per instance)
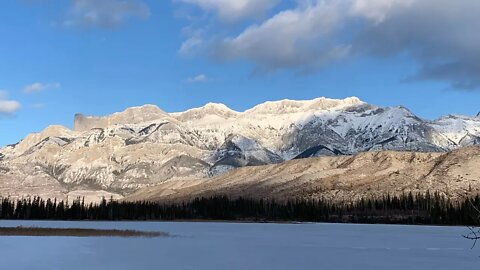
(144, 146)
(343, 178)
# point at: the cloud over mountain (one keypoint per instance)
(439, 35)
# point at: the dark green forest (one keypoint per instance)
(427, 209)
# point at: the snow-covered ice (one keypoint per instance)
(245, 246)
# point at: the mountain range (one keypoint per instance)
(126, 152)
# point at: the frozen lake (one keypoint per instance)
(244, 246)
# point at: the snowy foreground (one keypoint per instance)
(244, 246)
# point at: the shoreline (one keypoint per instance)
(76, 232)
(228, 222)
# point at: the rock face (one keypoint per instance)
(134, 115)
(342, 179)
(145, 146)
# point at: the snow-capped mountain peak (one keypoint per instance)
(295, 106)
(209, 110)
(145, 145)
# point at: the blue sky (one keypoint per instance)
(58, 58)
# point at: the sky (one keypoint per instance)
(96, 57)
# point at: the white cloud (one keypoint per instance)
(190, 45)
(377, 10)
(7, 107)
(39, 105)
(198, 79)
(104, 13)
(292, 38)
(233, 10)
(38, 87)
(441, 36)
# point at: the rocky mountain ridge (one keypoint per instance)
(143, 146)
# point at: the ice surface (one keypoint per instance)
(245, 246)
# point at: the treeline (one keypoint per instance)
(429, 209)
